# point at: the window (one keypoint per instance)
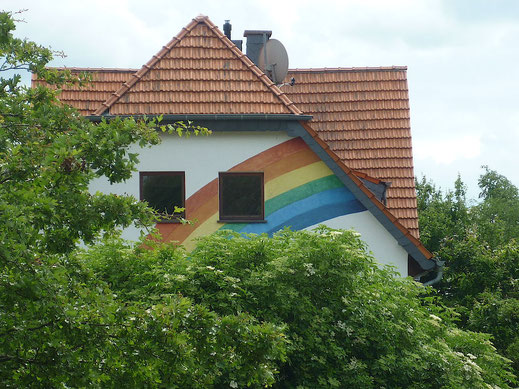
(163, 191)
(241, 196)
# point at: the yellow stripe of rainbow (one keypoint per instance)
(285, 166)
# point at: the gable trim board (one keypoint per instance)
(402, 235)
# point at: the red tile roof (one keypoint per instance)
(363, 115)
(88, 99)
(200, 71)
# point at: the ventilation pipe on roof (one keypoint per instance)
(255, 41)
(227, 27)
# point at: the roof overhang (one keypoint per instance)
(401, 234)
(226, 122)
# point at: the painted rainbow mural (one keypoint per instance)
(300, 191)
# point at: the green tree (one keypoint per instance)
(497, 215)
(61, 326)
(441, 215)
(479, 243)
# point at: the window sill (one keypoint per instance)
(169, 221)
(241, 221)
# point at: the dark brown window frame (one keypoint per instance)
(240, 218)
(166, 218)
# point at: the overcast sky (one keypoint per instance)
(462, 58)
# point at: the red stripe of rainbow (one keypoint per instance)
(285, 166)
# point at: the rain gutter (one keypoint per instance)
(220, 122)
(206, 117)
(439, 273)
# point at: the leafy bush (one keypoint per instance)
(348, 322)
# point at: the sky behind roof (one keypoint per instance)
(462, 57)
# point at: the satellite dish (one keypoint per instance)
(273, 60)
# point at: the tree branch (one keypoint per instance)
(29, 329)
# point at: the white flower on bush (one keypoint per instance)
(310, 270)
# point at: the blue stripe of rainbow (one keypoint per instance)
(304, 206)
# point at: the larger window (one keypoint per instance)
(241, 196)
(163, 191)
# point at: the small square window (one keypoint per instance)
(241, 196)
(163, 191)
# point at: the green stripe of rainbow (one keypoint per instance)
(292, 172)
(291, 196)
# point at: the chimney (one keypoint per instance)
(255, 41)
(227, 27)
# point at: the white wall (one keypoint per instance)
(202, 156)
(380, 242)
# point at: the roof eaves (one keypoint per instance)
(96, 70)
(350, 69)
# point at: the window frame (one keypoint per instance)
(240, 218)
(165, 218)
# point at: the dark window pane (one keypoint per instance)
(163, 191)
(241, 195)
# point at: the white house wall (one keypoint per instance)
(380, 242)
(300, 190)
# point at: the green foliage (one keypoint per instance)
(348, 323)
(497, 216)
(298, 310)
(60, 325)
(441, 215)
(479, 243)
(230, 348)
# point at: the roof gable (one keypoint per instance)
(200, 71)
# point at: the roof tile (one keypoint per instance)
(200, 58)
(363, 115)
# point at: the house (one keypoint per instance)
(334, 149)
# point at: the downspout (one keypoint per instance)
(439, 273)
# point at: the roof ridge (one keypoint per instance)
(348, 69)
(173, 42)
(94, 69)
